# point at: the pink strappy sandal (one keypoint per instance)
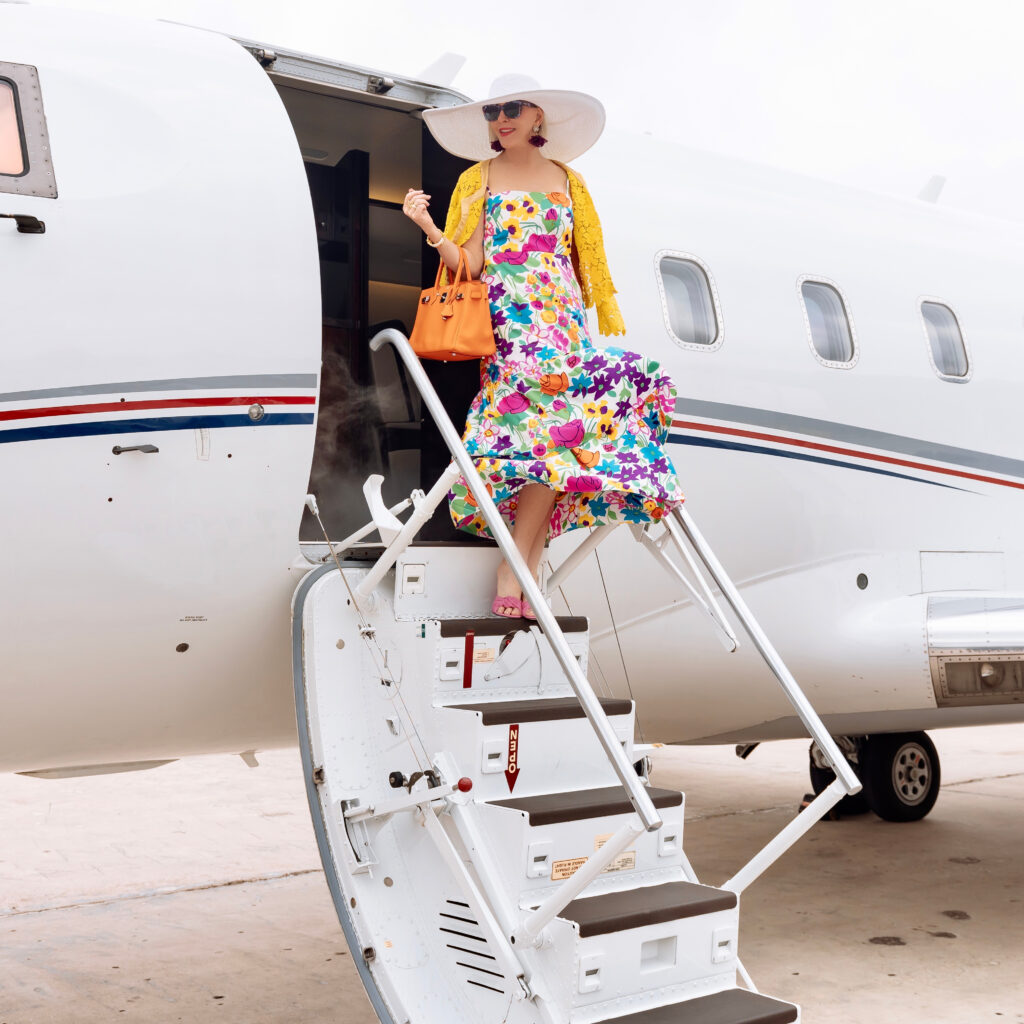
(502, 601)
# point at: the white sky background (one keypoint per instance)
(880, 94)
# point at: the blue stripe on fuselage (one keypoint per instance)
(133, 426)
(737, 446)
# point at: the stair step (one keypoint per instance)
(500, 659)
(542, 838)
(501, 625)
(733, 1006)
(552, 710)
(652, 904)
(552, 808)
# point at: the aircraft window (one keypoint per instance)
(25, 167)
(12, 154)
(831, 332)
(689, 302)
(949, 353)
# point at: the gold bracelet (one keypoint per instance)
(434, 245)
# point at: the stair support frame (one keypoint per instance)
(704, 600)
(796, 829)
(796, 696)
(597, 536)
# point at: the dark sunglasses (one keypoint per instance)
(512, 109)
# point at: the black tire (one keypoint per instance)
(849, 806)
(901, 775)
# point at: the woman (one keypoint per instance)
(564, 434)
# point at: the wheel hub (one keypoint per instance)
(911, 773)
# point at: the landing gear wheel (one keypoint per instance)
(901, 775)
(849, 806)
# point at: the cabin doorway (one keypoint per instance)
(360, 158)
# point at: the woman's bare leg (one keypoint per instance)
(533, 516)
(534, 563)
(538, 548)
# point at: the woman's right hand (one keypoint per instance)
(416, 208)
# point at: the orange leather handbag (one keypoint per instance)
(453, 321)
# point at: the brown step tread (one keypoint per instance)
(551, 808)
(733, 1006)
(514, 712)
(651, 904)
(500, 625)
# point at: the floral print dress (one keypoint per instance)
(589, 423)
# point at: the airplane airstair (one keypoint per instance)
(492, 845)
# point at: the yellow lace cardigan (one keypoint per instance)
(588, 257)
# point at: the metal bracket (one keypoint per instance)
(516, 654)
(379, 85)
(410, 802)
(359, 854)
(264, 56)
(388, 525)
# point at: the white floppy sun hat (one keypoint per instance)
(573, 121)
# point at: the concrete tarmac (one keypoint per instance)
(194, 893)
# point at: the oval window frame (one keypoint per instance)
(688, 257)
(946, 377)
(831, 363)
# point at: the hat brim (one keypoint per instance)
(573, 122)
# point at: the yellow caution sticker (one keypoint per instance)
(562, 869)
(483, 655)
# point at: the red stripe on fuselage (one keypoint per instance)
(154, 403)
(851, 453)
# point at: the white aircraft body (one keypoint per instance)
(218, 220)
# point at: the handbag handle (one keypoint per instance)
(462, 267)
(461, 276)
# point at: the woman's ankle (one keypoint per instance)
(507, 584)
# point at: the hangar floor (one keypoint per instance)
(193, 893)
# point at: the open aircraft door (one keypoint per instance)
(159, 360)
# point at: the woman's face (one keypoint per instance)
(515, 132)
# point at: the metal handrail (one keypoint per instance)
(701, 594)
(589, 701)
(802, 706)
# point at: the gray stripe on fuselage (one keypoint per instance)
(245, 381)
(861, 436)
